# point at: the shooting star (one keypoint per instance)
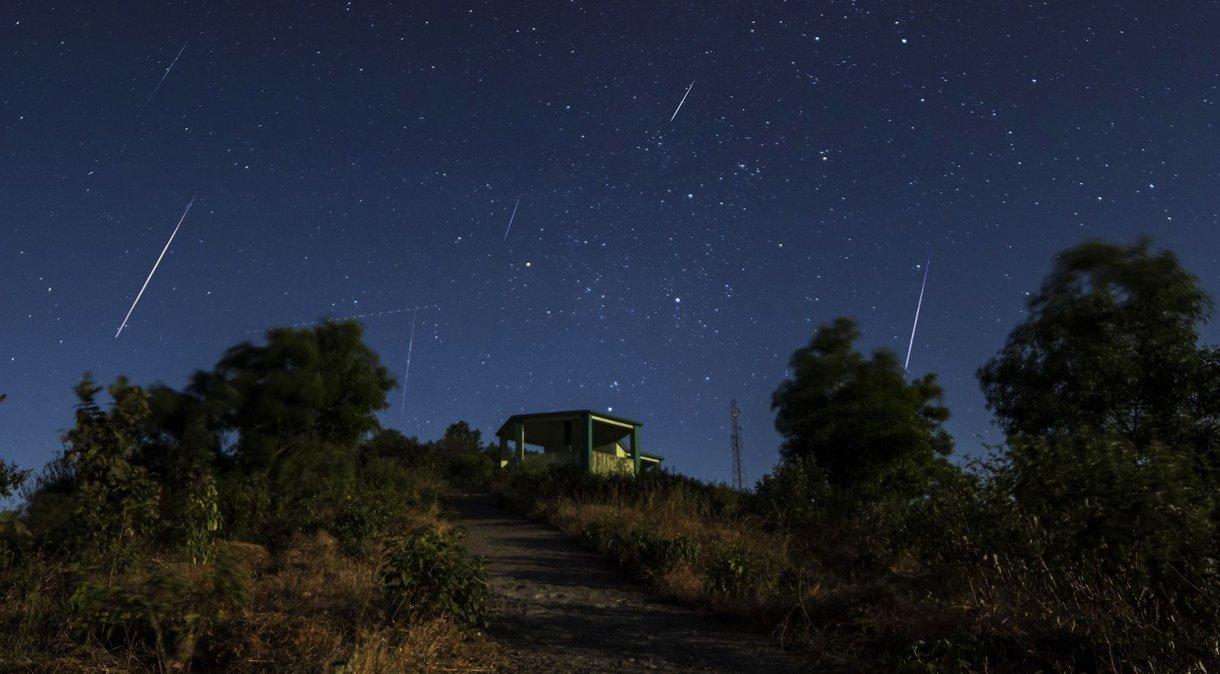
(166, 74)
(511, 218)
(154, 269)
(407, 372)
(919, 305)
(347, 317)
(692, 86)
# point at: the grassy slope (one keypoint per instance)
(309, 605)
(825, 591)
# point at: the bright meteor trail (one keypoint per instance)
(154, 269)
(165, 74)
(907, 365)
(407, 371)
(692, 86)
(511, 218)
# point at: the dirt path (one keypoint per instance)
(561, 609)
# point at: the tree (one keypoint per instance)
(305, 389)
(864, 426)
(1111, 409)
(389, 443)
(1110, 344)
(11, 478)
(460, 437)
(116, 502)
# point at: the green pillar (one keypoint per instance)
(588, 443)
(519, 437)
(635, 448)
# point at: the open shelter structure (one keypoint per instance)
(597, 442)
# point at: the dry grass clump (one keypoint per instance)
(436, 645)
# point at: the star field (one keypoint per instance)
(358, 159)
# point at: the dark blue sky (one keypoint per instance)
(353, 158)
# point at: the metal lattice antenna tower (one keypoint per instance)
(739, 474)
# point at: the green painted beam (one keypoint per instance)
(588, 443)
(519, 437)
(635, 449)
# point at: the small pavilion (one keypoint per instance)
(597, 442)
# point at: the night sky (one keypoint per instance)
(363, 158)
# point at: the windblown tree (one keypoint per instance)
(1110, 345)
(308, 388)
(865, 427)
(1110, 407)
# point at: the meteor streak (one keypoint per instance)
(165, 74)
(407, 372)
(511, 218)
(692, 86)
(907, 365)
(154, 269)
(348, 317)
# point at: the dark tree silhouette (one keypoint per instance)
(860, 421)
(318, 386)
(1110, 346)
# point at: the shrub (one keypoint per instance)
(200, 519)
(165, 612)
(428, 574)
(791, 495)
(469, 469)
(360, 519)
(116, 502)
(245, 504)
(731, 574)
(642, 550)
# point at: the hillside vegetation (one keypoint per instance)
(1087, 542)
(261, 519)
(258, 520)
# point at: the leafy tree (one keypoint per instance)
(460, 437)
(116, 501)
(1110, 407)
(863, 425)
(11, 527)
(1110, 344)
(11, 478)
(318, 386)
(389, 443)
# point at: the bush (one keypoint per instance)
(428, 574)
(165, 612)
(200, 519)
(734, 574)
(361, 519)
(642, 550)
(469, 469)
(116, 501)
(245, 504)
